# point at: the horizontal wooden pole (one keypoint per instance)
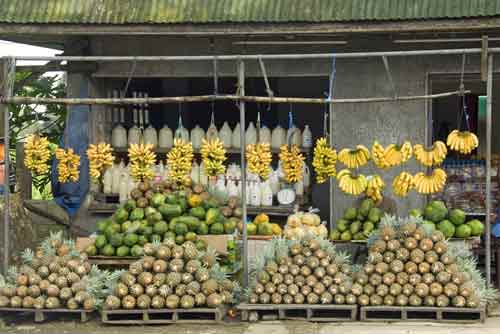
(207, 98)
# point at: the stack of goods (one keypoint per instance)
(307, 271)
(262, 226)
(171, 276)
(357, 224)
(410, 265)
(160, 211)
(55, 276)
(301, 224)
(452, 223)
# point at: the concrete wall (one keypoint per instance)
(354, 123)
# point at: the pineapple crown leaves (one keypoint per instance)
(27, 256)
(281, 246)
(3, 281)
(47, 248)
(247, 292)
(12, 273)
(357, 268)
(217, 273)
(156, 243)
(342, 257)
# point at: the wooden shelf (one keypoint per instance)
(231, 150)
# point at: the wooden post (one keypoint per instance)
(23, 175)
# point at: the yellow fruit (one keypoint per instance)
(68, 166)
(213, 155)
(402, 184)
(276, 229)
(180, 161)
(142, 159)
(259, 158)
(292, 162)
(37, 154)
(324, 160)
(429, 184)
(462, 141)
(374, 188)
(100, 158)
(354, 158)
(351, 184)
(261, 218)
(430, 157)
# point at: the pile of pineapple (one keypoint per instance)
(171, 276)
(410, 265)
(55, 276)
(307, 271)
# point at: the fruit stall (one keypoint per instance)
(182, 209)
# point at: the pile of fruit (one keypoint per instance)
(452, 223)
(262, 226)
(309, 271)
(171, 276)
(160, 211)
(410, 265)
(357, 224)
(302, 224)
(55, 276)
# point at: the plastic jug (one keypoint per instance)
(255, 196)
(265, 135)
(274, 182)
(195, 173)
(123, 188)
(232, 189)
(266, 194)
(251, 134)
(236, 139)
(107, 180)
(278, 137)
(212, 132)
(307, 141)
(119, 136)
(134, 135)
(197, 134)
(181, 131)
(150, 136)
(294, 136)
(225, 135)
(203, 175)
(116, 174)
(165, 138)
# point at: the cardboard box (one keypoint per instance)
(83, 242)
(219, 242)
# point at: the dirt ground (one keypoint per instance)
(492, 325)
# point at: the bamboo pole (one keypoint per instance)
(241, 89)
(489, 92)
(207, 98)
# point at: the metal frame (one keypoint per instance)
(242, 100)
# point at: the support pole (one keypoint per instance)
(331, 122)
(489, 92)
(241, 91)
(9, 76)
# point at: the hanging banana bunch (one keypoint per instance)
(259, 159)
(351, 184)
(395, 155)
(378, 155)
(324, 160)
(213, 155)
(374, 188)
(402, 184)
(354, 158)
(291, 163)
(430, 184)
(68, 166)
(142, 159)
(100, 158)
(37, 154)
(462, 141)
(180, 161)
(430, 157)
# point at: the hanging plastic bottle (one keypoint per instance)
(266, 194)
(131, 185)
(150, 136)
(251, 134)
(274, 182)
(134, 135)
(203, 175)
(236, 139)
(107, 180)
(265, 135)
(306, 177)
(197, 134)
(119, 136)
(225, 135)
(249, 190)
(123, 189)
(299, 188)
(278, 137)
(255, 196)
(220, 185)
(159, 172)
(165, 138)
(212, 132)
(293, 134)
(116, 174)
(232, 189)
(195, 173)
(307, 141)
(181, 131)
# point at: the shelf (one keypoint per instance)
(102, 208)
(123, 150)
(475, 214)
(476, 179)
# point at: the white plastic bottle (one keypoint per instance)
(117, 172)
(134, 135)
(150, 136)
(255, 196)
(236, 139)
(165, 138)
(265, 135)
(266, 194)
(107, 180)
(212, 132)
(307, 141)
(203, 175)
(123, 189)
(195, 173)
(197, 134)
(225, 135)
(119, 136)
(278, 137)
(251, 134)
(232, 188)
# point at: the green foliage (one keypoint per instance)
(47, 120)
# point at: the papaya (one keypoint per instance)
(191, 222)
(213, 216)
(195, 200)
(198, 212)
(169, 211)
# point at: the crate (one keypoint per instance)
(313, 313)
(163, 316)
(43, 314)
(426, 314)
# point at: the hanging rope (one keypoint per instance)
(463, 109)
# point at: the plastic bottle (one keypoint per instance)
(195, 173)
(236, 139)
(197, 134)
(265, 135)
(107, 180)
(203, 175)
(123, 188)
(306, 176)
(119, 136)
(274, 182)
(255, 196)
(307, 137)
(212, 132)
(165, 138)
(266, 194)
(225, 135)
(251, 134)
(116, 174)
(294, 135)
(150, 136)
(232, 188)
(134, 135)
(278, 137)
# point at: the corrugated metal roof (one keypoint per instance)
(237, 11)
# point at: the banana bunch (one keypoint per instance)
(396, 155)
(374, 188)
(213, 155)
(354, 158)
(429, 184)
(68, 166)
(180, 161)
(324, 160)
(430, 157)
(351, 184)
(100, 158)
(259, 159)
(462, 141)
(291, 163)
(402, 184)
(378, 155)
(142, 159)
(37, 154)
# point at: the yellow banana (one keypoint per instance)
(462, 141)
(291, 163)
(68, 165)
(259, 158)
(213, 155)
(37, 154)
(324, 160)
